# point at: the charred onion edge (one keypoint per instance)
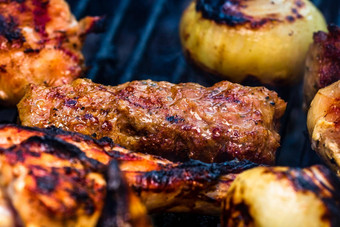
(228, 12)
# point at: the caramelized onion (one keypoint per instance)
(323, 123)
(237, 39)
(283, 196)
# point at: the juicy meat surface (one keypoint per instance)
(178, 122)
(40, 42)
(160, 184)
(46, 181)
(323, 62)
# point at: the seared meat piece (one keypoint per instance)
(323, 123)
(162, 185)
(49, 182)
(282, 196)
(40, 42)
(323, 62)
(179, 122)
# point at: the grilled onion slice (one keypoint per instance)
(237, 39)
(283, 196)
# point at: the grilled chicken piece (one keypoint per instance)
(40, 42)
(323, 123)
(178, 122)
(49, 182)
(162, 185)
(323, 62)
(282, 196)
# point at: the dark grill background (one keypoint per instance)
(141, 41)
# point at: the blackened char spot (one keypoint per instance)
(3, 68)
(290, 18)
(70, 102)
(174, 119)
(9, 29)
(30, 50)
(229, 12)
(46, 184)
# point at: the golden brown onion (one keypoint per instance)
(282, 196)
(264, 39)
(323, 123)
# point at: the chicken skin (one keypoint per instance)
(49, 182)
(178, 122)
(163, 186)
(40, 42)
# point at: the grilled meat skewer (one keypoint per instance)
(40, 43)
(162, 185)
(49, 182)
(178, 122)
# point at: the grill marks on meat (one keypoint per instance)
(40, 42)
(161, 185)
(49, 189)
(179, 122)
(50, 182)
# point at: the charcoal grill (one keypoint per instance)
(141, 41)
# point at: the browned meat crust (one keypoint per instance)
(323, 62)
(50, 182)
(162, 185)
(40, 42)
(179, 122)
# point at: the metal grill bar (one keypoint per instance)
(106, 49)
(81, 7)
(179, 70)
(138, 53)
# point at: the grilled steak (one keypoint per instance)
(178, 122)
